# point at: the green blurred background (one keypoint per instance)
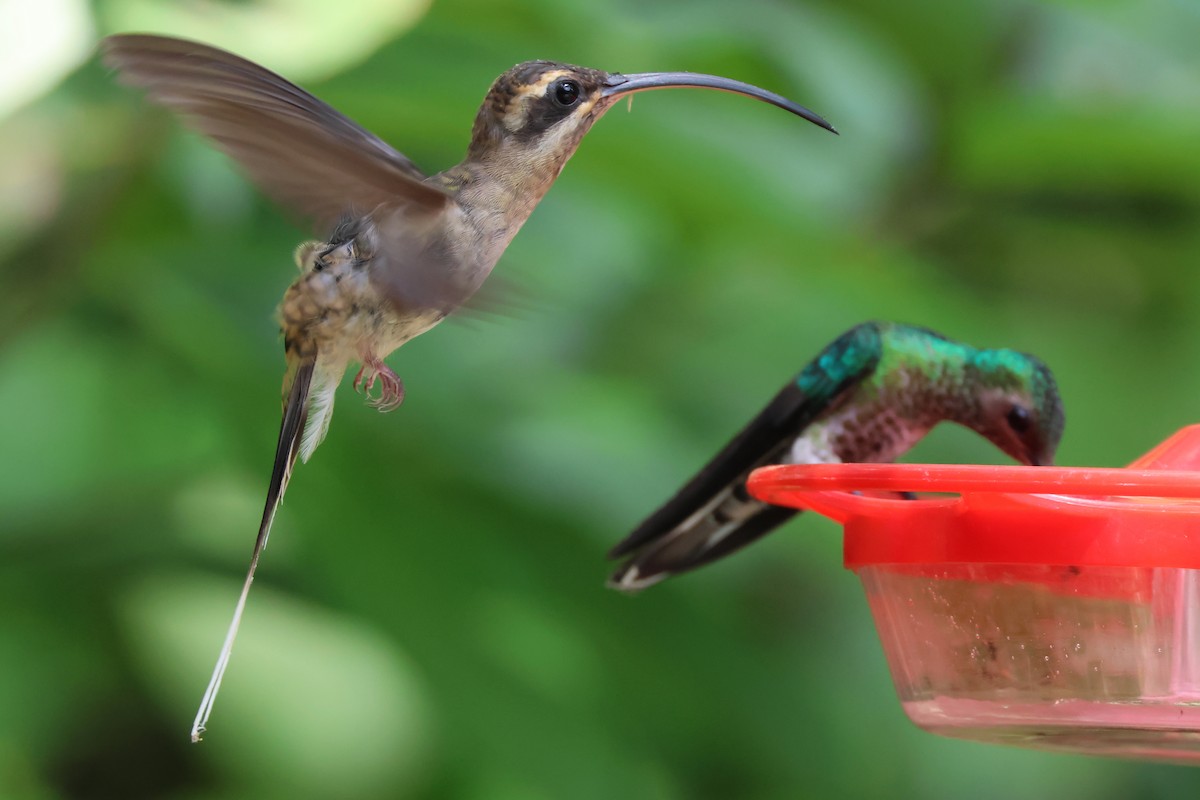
(430, 620)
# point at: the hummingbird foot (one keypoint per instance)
(391, 393)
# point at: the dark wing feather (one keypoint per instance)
(672, 555)
(816, 389)
(300, 151)
(754, 529)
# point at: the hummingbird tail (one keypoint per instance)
(295, 412)
(709, 535)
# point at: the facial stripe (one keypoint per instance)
(516, 112)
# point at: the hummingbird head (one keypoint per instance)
(536, 113)
(1017, 405)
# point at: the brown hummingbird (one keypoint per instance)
(402, 249)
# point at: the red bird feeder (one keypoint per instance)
(1050, 607)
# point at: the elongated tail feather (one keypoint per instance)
(295, 412)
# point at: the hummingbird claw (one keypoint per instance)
(391, 393)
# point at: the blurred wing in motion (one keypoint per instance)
(300, 151)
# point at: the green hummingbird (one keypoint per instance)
(869, 396)
(400, 249)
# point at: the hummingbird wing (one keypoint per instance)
(712, 516)
(415, 265)
(301, 152)
(295, 412)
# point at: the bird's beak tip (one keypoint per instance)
(821, 122)
(1040, 460)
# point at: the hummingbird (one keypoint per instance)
(400, 249)
(869, 396)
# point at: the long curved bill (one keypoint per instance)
(618, 84)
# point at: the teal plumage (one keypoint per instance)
(869, 396)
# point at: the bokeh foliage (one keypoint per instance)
(430, 620)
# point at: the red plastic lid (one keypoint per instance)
(1147, 515)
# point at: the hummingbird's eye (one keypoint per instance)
(1019, 419)
(566, 92)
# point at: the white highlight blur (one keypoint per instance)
(43, 41)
